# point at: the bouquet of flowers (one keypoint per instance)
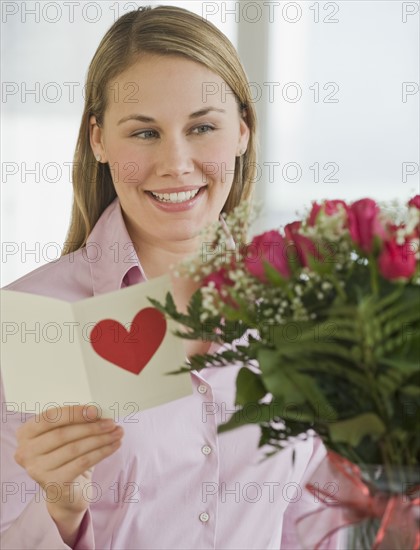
(329, 311)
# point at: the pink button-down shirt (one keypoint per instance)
(174, 483)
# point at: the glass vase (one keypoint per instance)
(399, 485)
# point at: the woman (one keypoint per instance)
(167, 142)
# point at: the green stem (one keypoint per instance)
(339, 289)
(374, 282)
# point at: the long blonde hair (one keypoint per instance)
(163, 30)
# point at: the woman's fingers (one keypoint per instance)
(79, 448)
(54, 439)
(60, 447)
(79, 465)
(56, 417)
(70, 435)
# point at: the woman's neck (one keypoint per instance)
(157, 261)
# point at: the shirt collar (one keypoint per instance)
(111, 254)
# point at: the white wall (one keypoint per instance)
(363, 124)
(368, 133)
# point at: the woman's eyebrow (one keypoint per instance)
(144, 118)
(203, 112)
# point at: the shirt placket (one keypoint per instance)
(206, 515)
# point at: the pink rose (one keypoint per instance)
(364, 223)
(268, 247)
(415, 202)
(304, 247)
(327, 207)
(397, 261)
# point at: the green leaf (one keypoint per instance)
(276, 380)
(273, 276)
(401, 364)
(221, 359)
(353, 430)
(398, 373)
(181, 370)
(242, 417)
(412, 391)
(249, 387)
(327, 367)
(282, 378)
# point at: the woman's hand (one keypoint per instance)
(59, 454)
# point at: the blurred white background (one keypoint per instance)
(336, 86)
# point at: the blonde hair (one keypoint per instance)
(162, 30)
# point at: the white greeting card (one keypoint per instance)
(114, 350)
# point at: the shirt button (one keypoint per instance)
(202, 388)
(204, 517)
(206, 450)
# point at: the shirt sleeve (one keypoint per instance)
(306, 504)
(25, 521)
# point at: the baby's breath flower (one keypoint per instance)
(204, 316)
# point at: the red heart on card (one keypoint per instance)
(130, 349)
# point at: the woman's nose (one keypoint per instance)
(174, 158)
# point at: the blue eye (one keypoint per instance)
(146, 134)
(207, 129)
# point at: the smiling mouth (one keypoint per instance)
(176, 198)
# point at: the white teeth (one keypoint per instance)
(176, 197)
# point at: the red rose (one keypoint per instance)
(268, 247)
(327, 207)
(364, 223)
(313, 214)
(415, 202)
(414, 222)
(332, 207)
(304, 247)
(397, 261)
(221, 280)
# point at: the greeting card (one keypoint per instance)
(114, 350)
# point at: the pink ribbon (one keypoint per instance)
(345, 500)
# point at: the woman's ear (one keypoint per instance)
(243, 137)
(96, 140)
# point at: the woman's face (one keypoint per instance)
(170, 134)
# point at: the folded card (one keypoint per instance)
(114, 350)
